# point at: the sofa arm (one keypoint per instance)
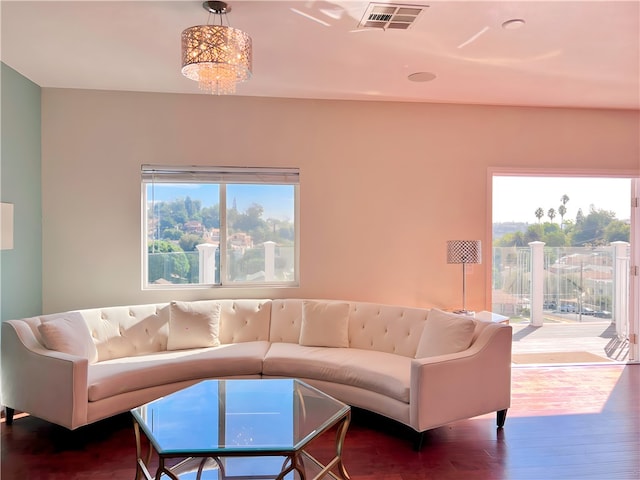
(453, 387)
(47, 384)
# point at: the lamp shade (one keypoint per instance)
(216, 56)
(464, 251)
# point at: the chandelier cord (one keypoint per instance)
(221, 22)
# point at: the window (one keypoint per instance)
(219, 226)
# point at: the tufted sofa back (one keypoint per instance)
(135, 330)
(140, 329)
(386, 328)
(120, 331)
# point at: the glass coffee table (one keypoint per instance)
(240, 429)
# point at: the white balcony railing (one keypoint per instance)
(577, 282)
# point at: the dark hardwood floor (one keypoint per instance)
(566, 422)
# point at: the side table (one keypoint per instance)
(491, 317)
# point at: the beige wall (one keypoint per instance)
(383, 185)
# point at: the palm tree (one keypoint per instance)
(562, 210)
(551, 214)
(539, 213)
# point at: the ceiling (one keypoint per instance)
(567, 54)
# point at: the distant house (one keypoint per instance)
(240, 240)
(193, 226)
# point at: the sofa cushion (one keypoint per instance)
(445, 333)
(194, 325)
(384, 373)
(70, 334)
(324, 324)
(122, 375)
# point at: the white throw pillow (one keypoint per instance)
(70, 334)
(445, 333)
(324, 324)
(193, 325)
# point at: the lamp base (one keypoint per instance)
(468, 313)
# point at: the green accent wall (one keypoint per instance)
(20, 184)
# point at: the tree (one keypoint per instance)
(562, 210)
(564, 199)
(189, 241)
(533, 234)
(617, 231)
(167, 261)
(513, 239)
(171, 234)
(211, 216)
(555, 239)
(178, 211)
(251, 262)
(193, 208)
(591, 230)
(250, 220)
(551, 214)
(539, 213)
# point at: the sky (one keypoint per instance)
(277, 200)
(515, 199)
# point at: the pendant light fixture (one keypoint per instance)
(216, 56)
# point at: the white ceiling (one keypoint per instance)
(573, 54)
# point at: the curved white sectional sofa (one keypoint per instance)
(367, 355)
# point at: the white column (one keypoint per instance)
(537, 283)
(207, 263)
(620, 308)
(269, 261)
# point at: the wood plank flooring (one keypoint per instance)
(566, 422)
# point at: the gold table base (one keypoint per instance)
(299, 461)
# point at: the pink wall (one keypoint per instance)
(383, 185)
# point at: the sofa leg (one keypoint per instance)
(502, 416)
(8, 414)
(417, 445)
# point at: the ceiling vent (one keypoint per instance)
(390, 15)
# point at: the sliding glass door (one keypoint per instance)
(562, 257)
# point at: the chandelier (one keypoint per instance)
(216, 56)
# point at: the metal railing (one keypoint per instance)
(579, 283)
(265, 263)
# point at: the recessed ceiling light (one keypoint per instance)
(422, 77)
(513, 24)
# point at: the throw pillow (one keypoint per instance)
(445, 333)
(69, 334)
(324, 324)
(193, 325)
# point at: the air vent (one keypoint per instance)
(390, 15)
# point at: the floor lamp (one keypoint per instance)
(464, 251)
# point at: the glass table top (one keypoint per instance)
(227, 417)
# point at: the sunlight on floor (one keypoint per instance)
(579, 392)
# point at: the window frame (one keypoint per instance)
(220, 176)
